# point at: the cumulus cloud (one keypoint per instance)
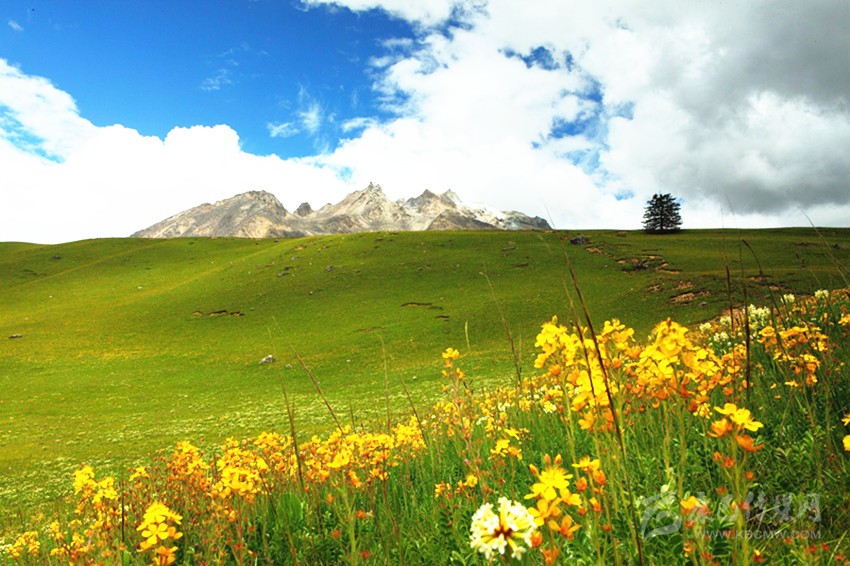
(575, 111)
(66, 179)
(428, 13)
(734, 108)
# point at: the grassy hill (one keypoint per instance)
(127, 345)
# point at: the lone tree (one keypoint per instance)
(662, 214)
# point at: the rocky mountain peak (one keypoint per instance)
(258, 214)
(254, 214)
(450, 195)
(304, 209)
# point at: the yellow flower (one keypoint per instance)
(511, 529)
(153, 533)
(450, 355)
(587, 465)
(846, 419)
(740, 417)
(27, 543)
(83, 478)
(550, 480)
(501, 447)
(544, 510)
(139, 472)
(847, 443)
(341, 459)
(157, 526)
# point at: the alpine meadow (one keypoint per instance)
(459, 397)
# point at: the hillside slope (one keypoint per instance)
(128, 345)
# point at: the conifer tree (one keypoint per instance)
(662, 214)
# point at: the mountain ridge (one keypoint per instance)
(259, 214)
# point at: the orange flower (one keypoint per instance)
(544, 510)
(567, 527)
(746, 442)
(720, 428)
(599, 477)
(550, 555)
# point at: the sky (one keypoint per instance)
(115, 114)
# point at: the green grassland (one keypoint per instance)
(129, 345)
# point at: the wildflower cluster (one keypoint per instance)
(551, 491)
(736, 421)
(25, 545)
(800, 348)
(621, 411)
(158, 528)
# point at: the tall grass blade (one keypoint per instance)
(611, 406)
(507, 328)
(318, 389)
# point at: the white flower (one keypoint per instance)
(705, 327)
(758, 317)
(788, 299)
(822, 294)
(511, 528)
(721, 338)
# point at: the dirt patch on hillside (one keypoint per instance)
(428, 306)
(688, 297)
(222, 312)
(370, 329)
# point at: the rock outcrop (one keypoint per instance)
(258, 214)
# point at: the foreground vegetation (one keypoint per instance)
(721, 443)
(128, 346)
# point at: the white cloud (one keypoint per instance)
(428, 13)
(738, 109)
(221, 78)
(359, 123)
(282, 129)
(37, 113)
(73, 180)
(312, 117)
(577, 111)
(15, 25)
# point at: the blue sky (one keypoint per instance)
(155, 65)
(116, 114)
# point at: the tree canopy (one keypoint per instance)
(662, 214)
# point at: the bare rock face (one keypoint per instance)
(258, 214)
(454, 220)
(255, 214)
(304, 209)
